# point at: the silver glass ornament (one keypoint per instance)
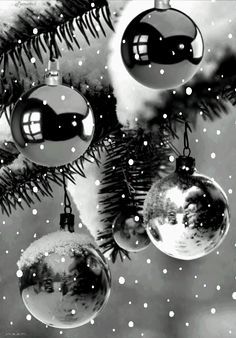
(65, 285)
(162, 47)
(186, 213)
(52, 124)
(129, 232)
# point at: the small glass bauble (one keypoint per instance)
(162, 48)
(129, 232)
(52, 125)
(186, 213)
(64, 280)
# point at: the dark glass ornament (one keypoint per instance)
(52, 125)
(129, 232)
(186, 213)
(162, 49)
(64, 281)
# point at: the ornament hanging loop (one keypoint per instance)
(67, 202)
(162, 4)
(187, 150)
(131, 192)
(67, 219)
(53, 50)
(53, 76)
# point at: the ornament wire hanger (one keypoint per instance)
(67, 202)
(131, 191)
(67, 219)
(53, 52)
(187, 150)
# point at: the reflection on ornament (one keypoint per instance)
(52, 125)
(64, 281)
(129, 233)
(186, 213)
(162, 49)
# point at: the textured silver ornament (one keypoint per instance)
(64, 280)
(186, 213)
(129, 232)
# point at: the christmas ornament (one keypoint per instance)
(162, 47)
(186, 213)
(129, 232)
(64, 279)
(52, 124)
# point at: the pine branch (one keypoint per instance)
(16, 185)
(134, 160)
(56, 24)
(210, 98)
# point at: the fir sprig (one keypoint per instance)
(210, 98)
(134, 160)
(16, 185)
(56, 24)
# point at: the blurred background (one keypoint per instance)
(153, 295)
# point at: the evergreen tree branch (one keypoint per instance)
(134, 159)
(210, 98)
(56, 24)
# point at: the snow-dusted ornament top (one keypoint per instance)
(60, 242)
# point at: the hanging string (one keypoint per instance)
(187, 150)
(52, 51)
(129, 186)
(53, 54)
(130, 189)
(67, 202)
(67, 219)
(173, 147)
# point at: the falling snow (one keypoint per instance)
(61, 242)
(148, 292)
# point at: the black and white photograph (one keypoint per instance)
(117, 168)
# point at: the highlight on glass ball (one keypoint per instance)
(64, 285)
(52, 125)
(186, 213)
(162, 49)
(129, 232)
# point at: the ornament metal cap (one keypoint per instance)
(162, 4)
(67, 220)
(185, 164)
(53, 76)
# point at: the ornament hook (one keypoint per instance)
(131, 191)
(187, 150)
(67, 219)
